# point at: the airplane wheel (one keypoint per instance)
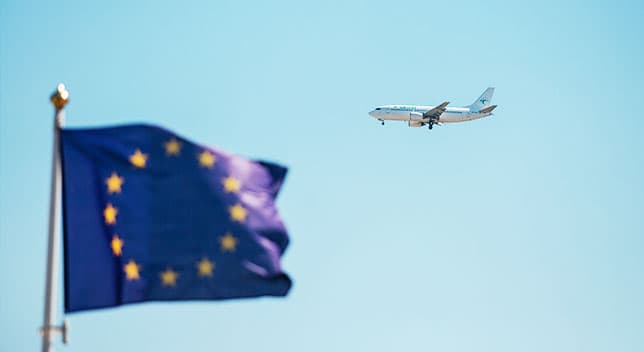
(382, 123)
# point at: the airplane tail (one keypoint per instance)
(483, 101)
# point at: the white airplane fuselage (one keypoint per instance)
(421, 115)
(415, 113)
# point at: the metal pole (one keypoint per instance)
(59, 99)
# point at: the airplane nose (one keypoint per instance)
(372, 113)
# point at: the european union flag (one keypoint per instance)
(151, 216)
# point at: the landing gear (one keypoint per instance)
(430, 125)
(382, 122)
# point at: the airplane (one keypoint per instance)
(420, 115)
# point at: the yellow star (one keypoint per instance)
(172, 147)
(228, 242)
(110, 214)
(237, 212)
(138, 159)
(132, 270)
(169, 277)
(207, 159)
(231, 184)
(114, 183)
(117, 245)
(205, 267)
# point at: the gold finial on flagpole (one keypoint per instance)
(60, 97)
(49, 329)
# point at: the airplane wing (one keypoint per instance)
(488, 109)
(435, 113)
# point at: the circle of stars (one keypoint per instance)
(204, 267)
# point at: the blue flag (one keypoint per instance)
(151, 216)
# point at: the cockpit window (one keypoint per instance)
(377, 108)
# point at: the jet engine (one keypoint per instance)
(415, 115)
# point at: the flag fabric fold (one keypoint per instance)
(151, 216)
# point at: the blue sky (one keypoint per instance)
(524, 231)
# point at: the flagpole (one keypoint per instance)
(59, 99)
